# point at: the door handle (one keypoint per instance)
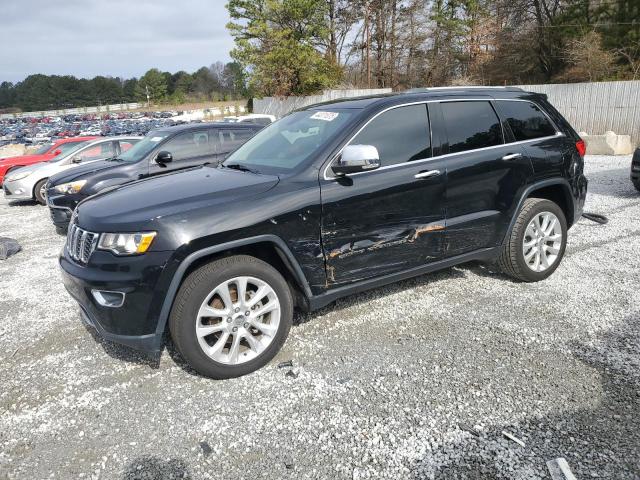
(512, 156)
(427, 174)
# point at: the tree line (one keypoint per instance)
(297, 47)
(43, 92)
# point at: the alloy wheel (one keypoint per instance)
(238, 320)
(542, 241)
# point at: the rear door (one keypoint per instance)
(550, 151)
(485, 175)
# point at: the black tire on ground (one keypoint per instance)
(38, 194)
(511, 260)
(637, 185)
(194, 290)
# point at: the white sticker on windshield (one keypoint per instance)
(156, 139)
(326, 116)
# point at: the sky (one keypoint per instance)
(118, 38)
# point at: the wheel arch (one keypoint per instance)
(269, 248)
(556, 190)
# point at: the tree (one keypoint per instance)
(153, 83)
(586, 59)
(279, 43)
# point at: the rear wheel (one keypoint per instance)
(231, 316)
(39, 191)
(536, 243)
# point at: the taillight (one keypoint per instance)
(581, 147)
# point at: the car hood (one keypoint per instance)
(146, 204)
(8, 161)
(81, 170)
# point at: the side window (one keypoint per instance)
(188, 145)
(471, 125)
(126, 144)
(231, 139)
(98, 152)
(526, 120)
(400, 135)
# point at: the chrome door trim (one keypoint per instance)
(414, 162)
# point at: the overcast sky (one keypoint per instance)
(110, 37)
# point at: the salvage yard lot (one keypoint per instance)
(415, 380)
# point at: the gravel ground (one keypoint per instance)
(415, 380)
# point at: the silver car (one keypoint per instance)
(28, 183)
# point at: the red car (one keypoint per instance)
(43, 154)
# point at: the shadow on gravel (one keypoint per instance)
(300, 318)
(607, 182)
(122, 353)
(22, 203)
(599, 443)
(153, 468)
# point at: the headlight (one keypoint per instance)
(19, 176)
(126, 243)
(69, 188)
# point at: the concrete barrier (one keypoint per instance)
(607, 144)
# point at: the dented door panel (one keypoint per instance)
(382, 222)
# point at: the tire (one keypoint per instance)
(636, 184)
(37, 192)
(198, 293)
(512, 260)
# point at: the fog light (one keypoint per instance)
(108, 299)
(19, 191)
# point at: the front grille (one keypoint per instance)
(81, 243)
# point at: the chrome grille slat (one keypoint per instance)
(81, 243)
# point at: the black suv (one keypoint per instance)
(161, 151)
(331, 200)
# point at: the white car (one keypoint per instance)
(257, 118)
(29, 183)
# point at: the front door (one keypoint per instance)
(390, 219)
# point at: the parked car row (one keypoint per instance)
(331, 200)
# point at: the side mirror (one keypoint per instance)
(76, 159)
(164, 157)
(356, 158)
(57, 152)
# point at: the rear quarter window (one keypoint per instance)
(526, 120)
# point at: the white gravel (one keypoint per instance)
(416, 380)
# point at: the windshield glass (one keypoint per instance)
(68, 148)
(287, 143)
(43, 149)
(143, 147)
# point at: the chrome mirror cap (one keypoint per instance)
(357, 158)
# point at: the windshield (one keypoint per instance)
(287, 143)
(143, 147)
(43, 149)
(68, 148)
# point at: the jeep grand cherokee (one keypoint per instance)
(331, 200)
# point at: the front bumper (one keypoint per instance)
(135, 322)
(18, 190)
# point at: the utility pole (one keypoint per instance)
(368, 41)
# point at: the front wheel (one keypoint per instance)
(536, 243)
(231, 316)
(40, 192)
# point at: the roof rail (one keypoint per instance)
(468, 87)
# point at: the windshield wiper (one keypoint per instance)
(237, 166)
(114, 159)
